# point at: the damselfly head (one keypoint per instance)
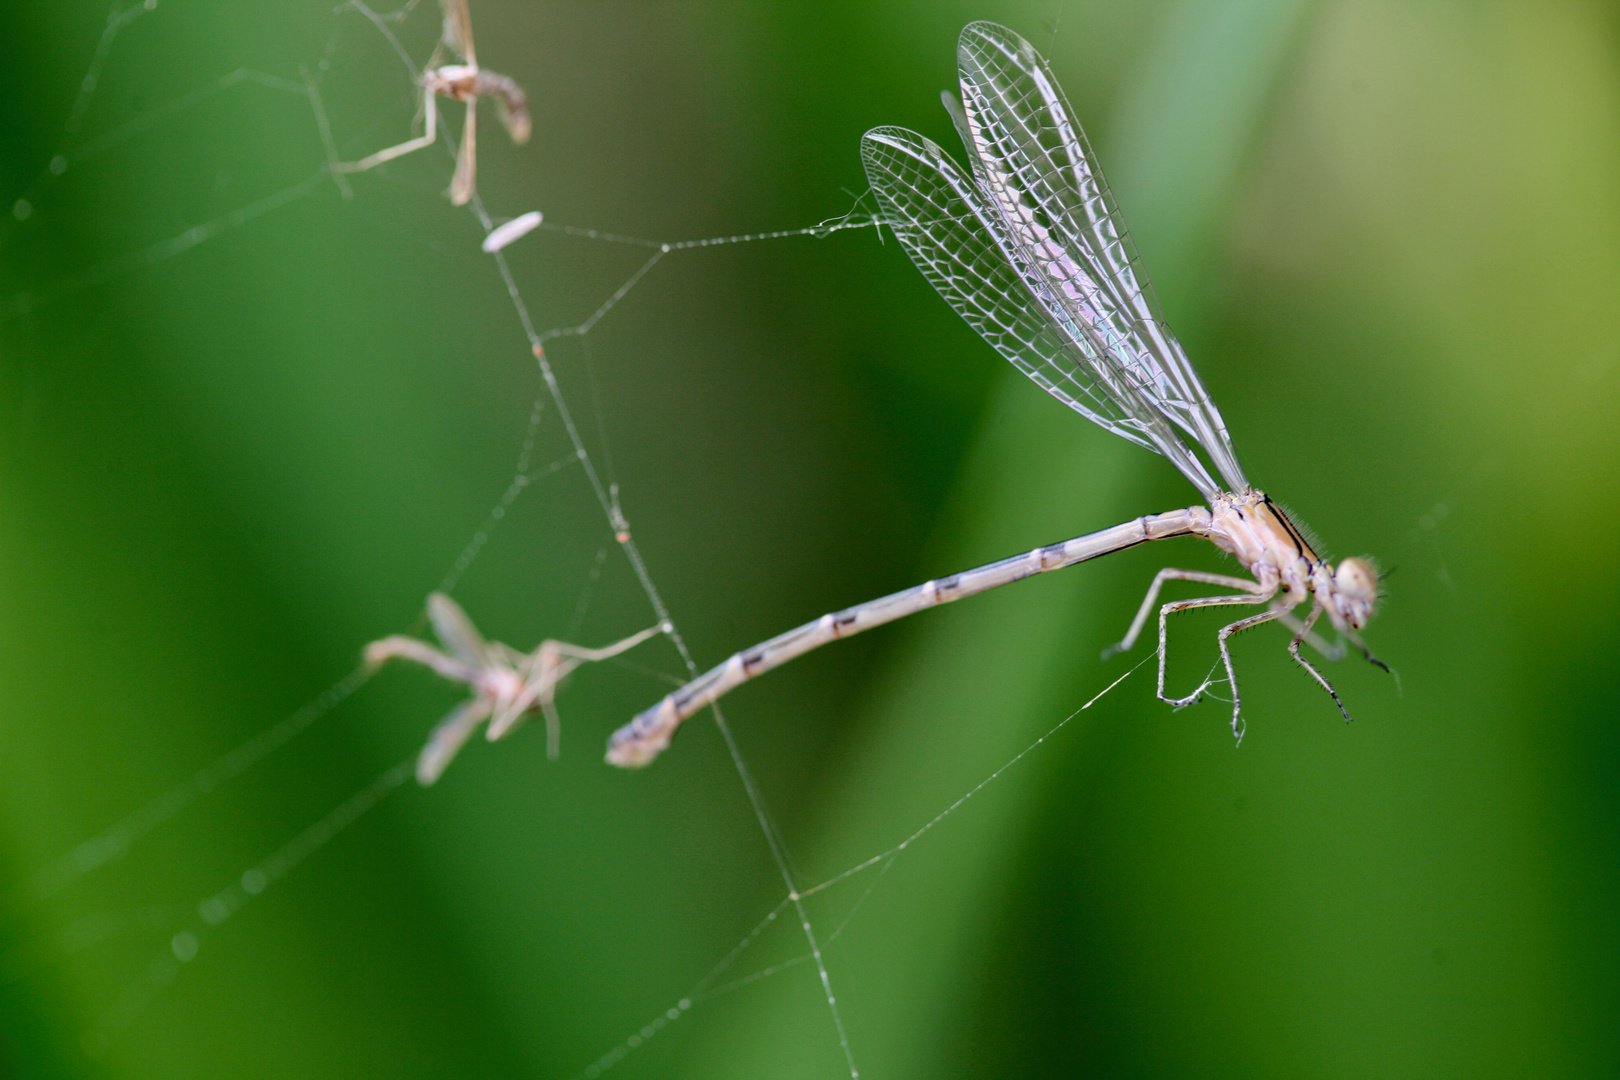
(1355, 591)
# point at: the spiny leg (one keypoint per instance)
(1361, 646)
(1293, 650)
(1185, 605)
(1171, 574)
(1226, 658)
(1334, 652)
(1331, 652)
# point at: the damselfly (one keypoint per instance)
(1030, 249)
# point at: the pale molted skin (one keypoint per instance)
(465, 82)
(508, 686)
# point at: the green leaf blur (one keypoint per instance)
(1389, 236)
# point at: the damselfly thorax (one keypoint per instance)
(1274, 550)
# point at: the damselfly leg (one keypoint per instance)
(1304, 633)
(1171, 574)
(1174, 606)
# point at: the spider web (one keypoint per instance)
(189, 929)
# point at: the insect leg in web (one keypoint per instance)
(1189, 605)
(429, 136)
(1253, 593)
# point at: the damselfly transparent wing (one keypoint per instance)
(958, 239)
(938, 215)
(1061, 223)
(458, 30)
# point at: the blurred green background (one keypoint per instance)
(1389, 235)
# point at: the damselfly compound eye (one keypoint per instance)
(1357, 579)
(1355, 588)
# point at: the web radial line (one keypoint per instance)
(778, 853)
(392, 38)
(215, 909)
(112, 844)
(607, 305)
(28, 300)
(116, 21)
(523, 477)
(892, 853)
(749, 980)
(626, 541)
(610, 508)
(697, 995)
(122, 133)
(312, 89)
(598, 234)
(604, 500)
(817, 231)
